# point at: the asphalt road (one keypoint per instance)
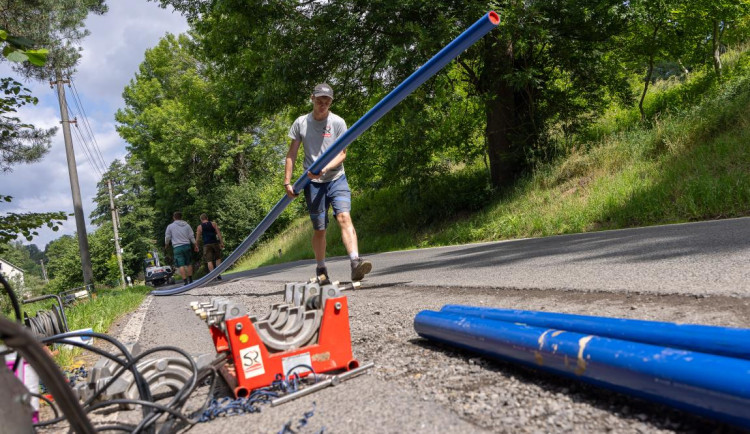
(706, 258)
(694, 272)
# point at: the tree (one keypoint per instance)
(21, 256)
(18, 49)
(547, 64)
(56, 25)
(64, 266)
(21, 143)
(128, 187)
(655, 35)
(14, 224)
(241, 207)
(185, 160)
(136, 213)
(103, 260)
(180, 157)
(711, 21)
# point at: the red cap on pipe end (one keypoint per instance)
(494, 17)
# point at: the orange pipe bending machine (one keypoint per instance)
(308, 330)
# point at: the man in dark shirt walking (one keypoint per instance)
(213, 242)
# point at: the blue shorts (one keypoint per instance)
(322, 195)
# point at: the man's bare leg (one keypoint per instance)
(319, 245)
(359, 266)
(348, 233)
(183, 273)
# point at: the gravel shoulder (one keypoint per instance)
(418, 386)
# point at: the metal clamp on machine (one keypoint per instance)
(309, 330)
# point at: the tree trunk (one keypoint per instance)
(650, 72)
(647, 81)
(684, 70)
(716, 48)
(504, 162)
(501, 114)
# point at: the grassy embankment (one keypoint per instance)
(98, 313)
(689, 162)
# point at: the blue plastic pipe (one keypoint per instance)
(724, 341)
(448, 53)
(707, 384)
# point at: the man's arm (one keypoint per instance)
(291, 158)
(218, 235)
(334, 163)
(167, 237)
(198, 232)
(192, 239)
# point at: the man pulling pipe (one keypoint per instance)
(448, 53)
(317, 131)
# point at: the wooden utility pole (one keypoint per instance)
(115, 224)
(83, 241)
(44, 271)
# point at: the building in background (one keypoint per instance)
(11, 272)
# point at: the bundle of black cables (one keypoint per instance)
(46, 323)
(19, 338)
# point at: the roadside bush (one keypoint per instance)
(436, 199)
(243, 206)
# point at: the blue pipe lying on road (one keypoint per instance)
(723, 341)
(707, 384)
(448, 53)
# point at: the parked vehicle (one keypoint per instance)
(155, 273)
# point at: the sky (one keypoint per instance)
(111, 56)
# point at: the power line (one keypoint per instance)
(87, 125)
(86, 151)
(85, 148)
(87, 140)
(89, 154)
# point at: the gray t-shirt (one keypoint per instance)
(316, 137)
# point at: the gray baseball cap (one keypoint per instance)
(323, 89)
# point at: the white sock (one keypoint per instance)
(322, 263)
(353, 255)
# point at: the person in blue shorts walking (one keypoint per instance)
(317, 131)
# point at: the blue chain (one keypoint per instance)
(228, 407)
(72, 375)
(76, 374)
(301, 423)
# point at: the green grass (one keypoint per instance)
(689, 161)
(98, 313)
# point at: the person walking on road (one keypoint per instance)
(213, 242)
(181, 235)
(317, 131)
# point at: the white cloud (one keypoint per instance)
(111, 56)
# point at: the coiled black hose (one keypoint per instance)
(46, 323)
